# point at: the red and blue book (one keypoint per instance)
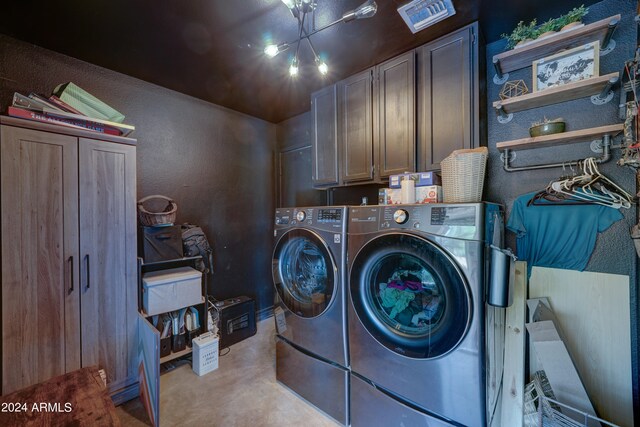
(49, 111)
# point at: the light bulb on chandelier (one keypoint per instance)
(299, 9)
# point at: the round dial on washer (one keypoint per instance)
(400, 216)
(300, 216)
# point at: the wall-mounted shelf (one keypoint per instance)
(516, 59)
(563, 138)
(606, 133)
(595, 86)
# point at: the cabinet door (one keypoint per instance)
(396, 115)
(325, 138)
(40, 296)
(446, 101)
(355, 127)
(108, 264)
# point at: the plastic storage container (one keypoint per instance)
(205, 353)
(172, 289)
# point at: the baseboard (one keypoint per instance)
(265, 313)
(125, 394)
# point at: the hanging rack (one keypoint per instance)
(508, 156)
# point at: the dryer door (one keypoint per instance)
(304, 273)
(410, 295)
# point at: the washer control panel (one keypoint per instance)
(323, 218)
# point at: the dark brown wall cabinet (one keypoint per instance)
(376, 117)
(375, 124)
(395, 122)
(325, 157)
(448, 96)
(355, 128)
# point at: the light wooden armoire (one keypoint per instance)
(69, 272)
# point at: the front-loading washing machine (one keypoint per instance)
(416, 311)
(309, 262)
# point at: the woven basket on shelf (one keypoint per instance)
(150, 219)
(463, 175)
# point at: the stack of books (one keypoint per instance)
(70, 106)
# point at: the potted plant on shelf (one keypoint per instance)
(521, 34)
(524, 33)
(548, 28)
(572, 18)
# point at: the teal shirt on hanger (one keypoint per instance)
(558, 236)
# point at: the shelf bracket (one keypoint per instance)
(507, 158)
(503, 117)
(607, 38)
(500, 77)
(610, 46)
(606, 94)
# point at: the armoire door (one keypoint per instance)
(108, 260)
(40, 292)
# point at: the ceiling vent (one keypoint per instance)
(419, 14)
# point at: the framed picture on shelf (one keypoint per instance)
(567, 66)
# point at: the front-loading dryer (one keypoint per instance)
(416, 311)
(309, 261)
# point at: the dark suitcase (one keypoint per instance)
(160, 243)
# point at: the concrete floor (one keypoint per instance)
(242, 392)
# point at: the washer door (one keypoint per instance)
(410, 296)
(304, 273)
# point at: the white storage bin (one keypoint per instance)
(172, 289)
(205, 353)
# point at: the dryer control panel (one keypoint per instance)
(463, 221)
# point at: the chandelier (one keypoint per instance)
(302, 11)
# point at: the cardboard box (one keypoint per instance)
(421, 179)
(171, 289)
(430, 194)
(389, 196)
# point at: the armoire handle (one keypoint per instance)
(86, 257)
(70, 262)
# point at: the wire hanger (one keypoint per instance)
(590, 186)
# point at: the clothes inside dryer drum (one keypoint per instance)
(405, 294)
(304, 273)
(304, 269)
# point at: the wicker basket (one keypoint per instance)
(150, 219)
(463, 175)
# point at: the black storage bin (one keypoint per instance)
(165, 346)
(190, 335)
(160, 243)
(179, 342)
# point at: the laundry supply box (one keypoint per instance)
(171, 289)
(420, 178)
(429, 194)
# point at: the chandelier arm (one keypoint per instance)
(315, 55)
(301, 22)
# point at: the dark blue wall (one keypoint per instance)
(614, 252)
